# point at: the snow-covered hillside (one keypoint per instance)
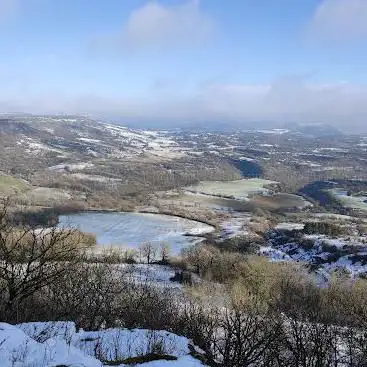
(90, 138)
(324, 254)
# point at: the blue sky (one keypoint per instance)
(187, 60)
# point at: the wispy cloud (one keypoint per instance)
(340, 20)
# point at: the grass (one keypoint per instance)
(212, 202)
(280, 202)
(45, 196)
(10, 185)
(272, 203)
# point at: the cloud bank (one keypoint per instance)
(340, 20)
(155, 27)
(285, 100)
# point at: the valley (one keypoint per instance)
(183, 183)
(240, 184)
(130, 232)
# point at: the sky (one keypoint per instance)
(174, 62)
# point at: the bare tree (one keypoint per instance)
(91, 295)
(148, 251)
(32, 258)
(164, 251)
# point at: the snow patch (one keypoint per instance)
(50, 344)
(289, 226)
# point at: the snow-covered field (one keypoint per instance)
(240, 189)
(51, 344)
(354, 202)
(130, 230)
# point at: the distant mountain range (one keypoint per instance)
(314, 130)
(309, 130)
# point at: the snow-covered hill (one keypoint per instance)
(67, 135)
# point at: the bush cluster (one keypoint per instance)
(260, 314)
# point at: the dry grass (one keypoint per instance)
(10, 185)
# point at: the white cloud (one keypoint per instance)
(340, 19)
(158, 26)
(282, 101)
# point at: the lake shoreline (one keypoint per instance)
(131, 229)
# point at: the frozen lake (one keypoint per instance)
(129, 230)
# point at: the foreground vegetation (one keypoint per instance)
(245, 311)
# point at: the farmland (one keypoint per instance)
(241, 189)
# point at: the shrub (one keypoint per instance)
(325, 228)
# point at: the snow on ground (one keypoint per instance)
(346, 263)
(236, 226)
(309, 164)
(149, 142)
(71, 166)
(120, 344)
(88, 140)
(274, 254)
(19, 349)
(152, 274)
(35, 147)
(51, 344)
(93, 153)
(354, 202)
(289, 226)
(95, 178)
(246, 159)
(325, 254)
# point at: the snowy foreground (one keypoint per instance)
(54, 344)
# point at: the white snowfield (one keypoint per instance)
(51, 344)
